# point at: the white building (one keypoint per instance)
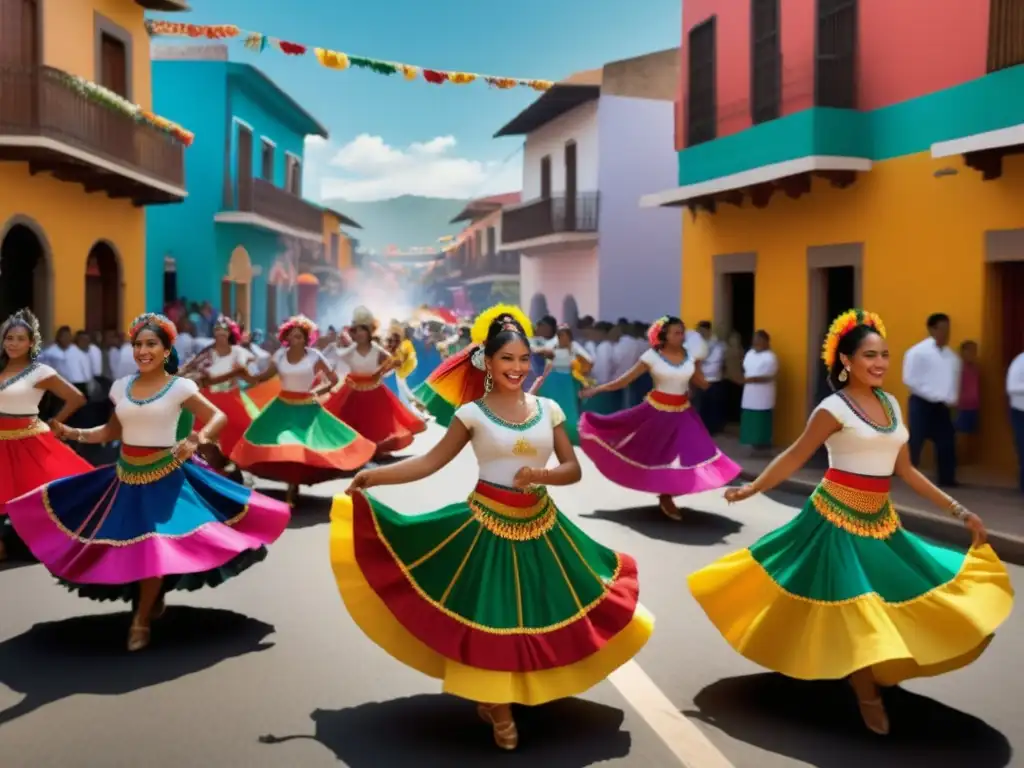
(594, 144)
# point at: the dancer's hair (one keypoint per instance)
(164, 330)
(504, 330)
(23, 318)
(844, 337)
(307, 326)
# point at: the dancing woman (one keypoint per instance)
(564, 376)
(294, 439)
(661, 445)
(364, 402)
(842, 590)
(30, 455)
(154, 521)
(501, 597)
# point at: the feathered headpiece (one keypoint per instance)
(299, 321)
(654, 331)
(508, 312)
(363, 316)
(841, 326)
(153, 320)
(229, 325)
(24, 318)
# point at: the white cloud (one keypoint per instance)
(367, 168)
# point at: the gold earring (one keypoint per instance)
(844, 374)
(488, 383)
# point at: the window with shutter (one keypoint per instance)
(113, 65)
(1005, 34)
(766, 61)
(492, 241)
(701, 112)
(835, 72)
(267, 161)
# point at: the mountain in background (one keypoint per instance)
(406, 222)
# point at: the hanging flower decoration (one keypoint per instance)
(331, 59)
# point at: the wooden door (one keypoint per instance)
(227, 295)
(570, 187)
(545, 177)
(19, 59)
(1011, 279)
(271, 310)
(243, 164)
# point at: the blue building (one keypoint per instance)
(241, 236)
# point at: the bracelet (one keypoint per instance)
(79, 436)
(958, 510)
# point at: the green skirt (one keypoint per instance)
(295, 440)
(500, 596)
(843, 587)
(756, 428)
(561, 387)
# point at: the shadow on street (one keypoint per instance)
(701, 529)
(438, 731)
(87, 655)
(818, 723)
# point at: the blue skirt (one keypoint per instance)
(561, 387)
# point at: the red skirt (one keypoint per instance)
(372, 410)
(239, 414)
(30, 456)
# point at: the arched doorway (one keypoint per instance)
(25, 273)
(538, 307)
(102, 289)
(570, 311)
(238, 283)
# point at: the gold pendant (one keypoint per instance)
(523, 447)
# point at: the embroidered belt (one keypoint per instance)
(857, 503)
(141, 466)
(362, 382)
(663, 401)
(513, 514)
(19, 427)
(296, 398)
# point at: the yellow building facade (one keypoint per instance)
(76, 174)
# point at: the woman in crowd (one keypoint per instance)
(842, 590)
(294, 439)
(659, 446)
(30, 455)
(565, 376)
(502, 597)
(154, 521)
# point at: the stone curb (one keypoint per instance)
(1009, 547)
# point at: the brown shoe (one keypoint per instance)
(506, 735)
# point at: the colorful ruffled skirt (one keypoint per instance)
(500, 597)
(296, 440)
(370, 408)
(30, 456)
(660, 446)
(147, 516)
(843, 587)
(239, 410)
(564, 389)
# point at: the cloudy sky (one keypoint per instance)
(389, 136)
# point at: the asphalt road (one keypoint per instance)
(268, 670)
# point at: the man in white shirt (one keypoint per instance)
(713, 404)
(1015, 391)
(185, 344)
(931, 371)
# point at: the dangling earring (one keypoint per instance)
(488, 383)
(844, 375)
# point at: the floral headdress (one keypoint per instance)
(841, 326)
(24, 318)
(363, 316)
(299, 321)
(512, 318)
(229, 325)
(153, 319)
(654, 331)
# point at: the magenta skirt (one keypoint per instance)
(659, 446)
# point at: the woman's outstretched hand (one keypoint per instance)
(361, 482)
(733, 495)
(979, 536)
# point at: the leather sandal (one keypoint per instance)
(506, 735)
(872, 712)
(138, 637)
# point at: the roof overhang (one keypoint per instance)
(343, 219)
(287, 109)
(475, 212)
(755, 177)
(984, 151)
(554, 102)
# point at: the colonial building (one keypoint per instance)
(594, 144)
(245, 234)
(79, 165)
(844, 153)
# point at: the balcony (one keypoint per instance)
(259, 203)
(47, 123)
(494, 267)
(551, 221)
(165, 6)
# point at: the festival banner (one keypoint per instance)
(259, 42)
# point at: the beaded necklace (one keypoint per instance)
(151, 398)
(883, 399)
(18, 376)
(521, 426)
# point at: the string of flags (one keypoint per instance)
(259, 42)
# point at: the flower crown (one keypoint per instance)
(229, 325)
(507, 314)
(841, 326)
(153, 319)
(654, 331)
(24, 318)
(299, 321)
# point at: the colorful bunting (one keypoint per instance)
(258, 42)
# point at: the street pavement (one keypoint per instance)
(269, 670)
